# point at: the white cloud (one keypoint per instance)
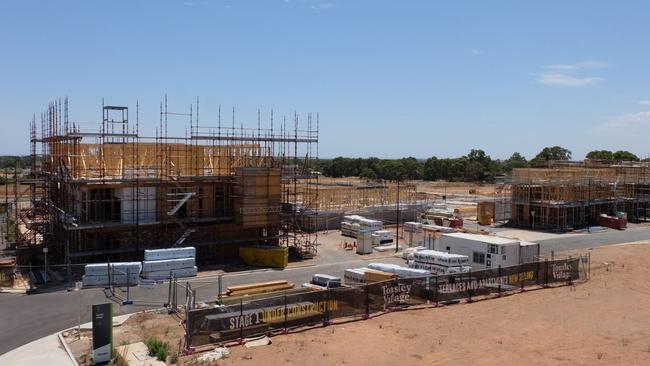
(570, 75)
(628, 120)
(644, 102)
(566, 80)
(323, 6)
(476, 52)
(578, 66)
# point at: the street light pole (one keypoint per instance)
(397, 234)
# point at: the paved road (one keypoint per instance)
(574, 241)
(26, 318)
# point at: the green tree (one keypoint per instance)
(621, 155)
(368, 173)
(412, 168)
(600, 155)
(516, 160)
(551, 153)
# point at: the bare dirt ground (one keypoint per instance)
(455, 188)
(603, 321)
(137, 328)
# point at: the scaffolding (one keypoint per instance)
(105, 191)
(569, 195)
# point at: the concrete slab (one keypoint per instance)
(137, 354)
(44, 351)
(534, 236)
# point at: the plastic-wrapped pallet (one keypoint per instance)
(325, 280)
(354, 276)
(408, 253)
(413, 227)
(400, 271)
(441, 258)
(101, 269)
(167, 264)
(169, 253)
(178, 273)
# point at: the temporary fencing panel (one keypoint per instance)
(283, 312)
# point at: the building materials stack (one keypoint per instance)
(413, 227)
(258, 288)
(163, 263)
(105, 274)
(402, 272)
(362, 276)
(353, 224)
(382, 237)
(440, 262)
(325, 280)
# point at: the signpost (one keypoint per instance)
(102, 333)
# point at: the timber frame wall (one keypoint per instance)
(571, 195)
(103, 191)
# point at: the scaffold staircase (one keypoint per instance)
(185, 197)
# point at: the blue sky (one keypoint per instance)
(389, 78)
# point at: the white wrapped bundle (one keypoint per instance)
(354, 276)
(178, 273)
(167, 264)
(169, 253)
(101, 269)
(442, 258)
(400, 271)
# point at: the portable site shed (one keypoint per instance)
(488, 251)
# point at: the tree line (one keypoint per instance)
(11, 162)
(476, 166)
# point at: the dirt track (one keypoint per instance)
(603, 321)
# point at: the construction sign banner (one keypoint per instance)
(249, 318)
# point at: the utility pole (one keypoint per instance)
(397, 234)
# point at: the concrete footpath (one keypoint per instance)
(48, 350)
(44, 351)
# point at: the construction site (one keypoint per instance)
(572, 195)
(104, 191)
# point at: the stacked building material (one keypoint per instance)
(258, 288)
(360, 276)
(440, 262)
(382, 237)
(119, 274)
(413, 227)
(353, 224)
(354, 276)
(325, 280)
(373, 275)
(162, 263)
(402, 272)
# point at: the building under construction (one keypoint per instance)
(570, 195)
(104, 191)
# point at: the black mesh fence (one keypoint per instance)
(280, 313)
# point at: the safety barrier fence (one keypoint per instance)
(279, 314)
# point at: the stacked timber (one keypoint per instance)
(372, 276)
(119, 274)
(361, 276)
(258, 288)
(160, 264)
